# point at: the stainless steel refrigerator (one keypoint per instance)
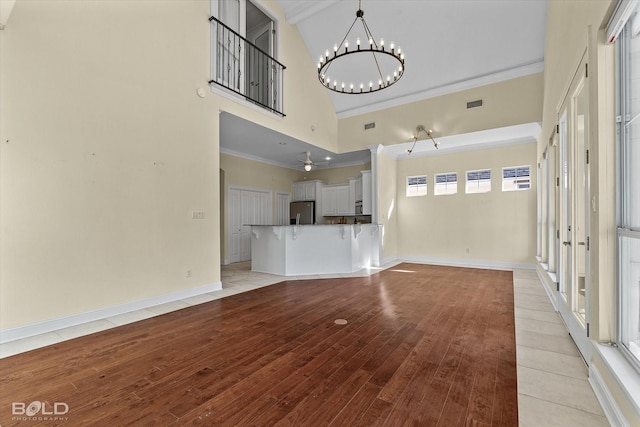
(302, 213)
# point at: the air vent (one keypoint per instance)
(474, 104)
(368, 126)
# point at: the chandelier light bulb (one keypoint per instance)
(375, 50)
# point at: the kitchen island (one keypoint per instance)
(292, 250)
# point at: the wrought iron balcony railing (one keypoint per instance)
(241, 67)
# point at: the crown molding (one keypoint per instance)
(474, 82)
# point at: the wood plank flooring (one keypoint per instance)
(423, 346)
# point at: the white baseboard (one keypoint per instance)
(468, 263)
(609, 406)
(38, 328)
(544, 277)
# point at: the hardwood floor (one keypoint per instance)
(423, 345)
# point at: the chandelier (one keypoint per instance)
(429, 133)
(388, 62)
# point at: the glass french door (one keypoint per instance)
(572, 296)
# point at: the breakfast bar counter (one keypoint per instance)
(292, 250)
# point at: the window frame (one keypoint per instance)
(408, 186)
(479, 181)
(514, 180)
(628, 228)
(447, 184)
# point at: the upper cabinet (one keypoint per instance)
(305, 191)
(336, 200)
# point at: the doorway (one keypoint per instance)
(246, 207)
(572, 296)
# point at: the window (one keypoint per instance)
(416, 185)
(445, 183)
(478, 181)
(516, 178)
(628, 45)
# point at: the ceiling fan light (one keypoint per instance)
(307, 167)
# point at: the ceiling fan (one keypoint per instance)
(308, 164)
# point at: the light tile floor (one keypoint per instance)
(552, 377)
(553, 389)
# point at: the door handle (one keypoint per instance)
(567, 243)
(581, 243)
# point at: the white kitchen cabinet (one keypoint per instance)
(335, 200)
(367, 207)
(305, 191)
(358, 189)
(342, 200)
(329, 201)
(353, 184)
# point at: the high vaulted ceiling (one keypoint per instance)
(449, 45)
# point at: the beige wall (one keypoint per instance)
(107, 150)
(507, 103)
(493, 228)
(337, 175)
(387, 213)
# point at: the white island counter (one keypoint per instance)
(291, 250)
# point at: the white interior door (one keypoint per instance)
(282, 208)
(246, 207)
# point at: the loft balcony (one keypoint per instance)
(245, 69)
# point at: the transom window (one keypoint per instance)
(416, 185)
(445, 183)
(478, 181)
(516, 178)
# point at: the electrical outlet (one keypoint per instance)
(187, 274)
(197, 214)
